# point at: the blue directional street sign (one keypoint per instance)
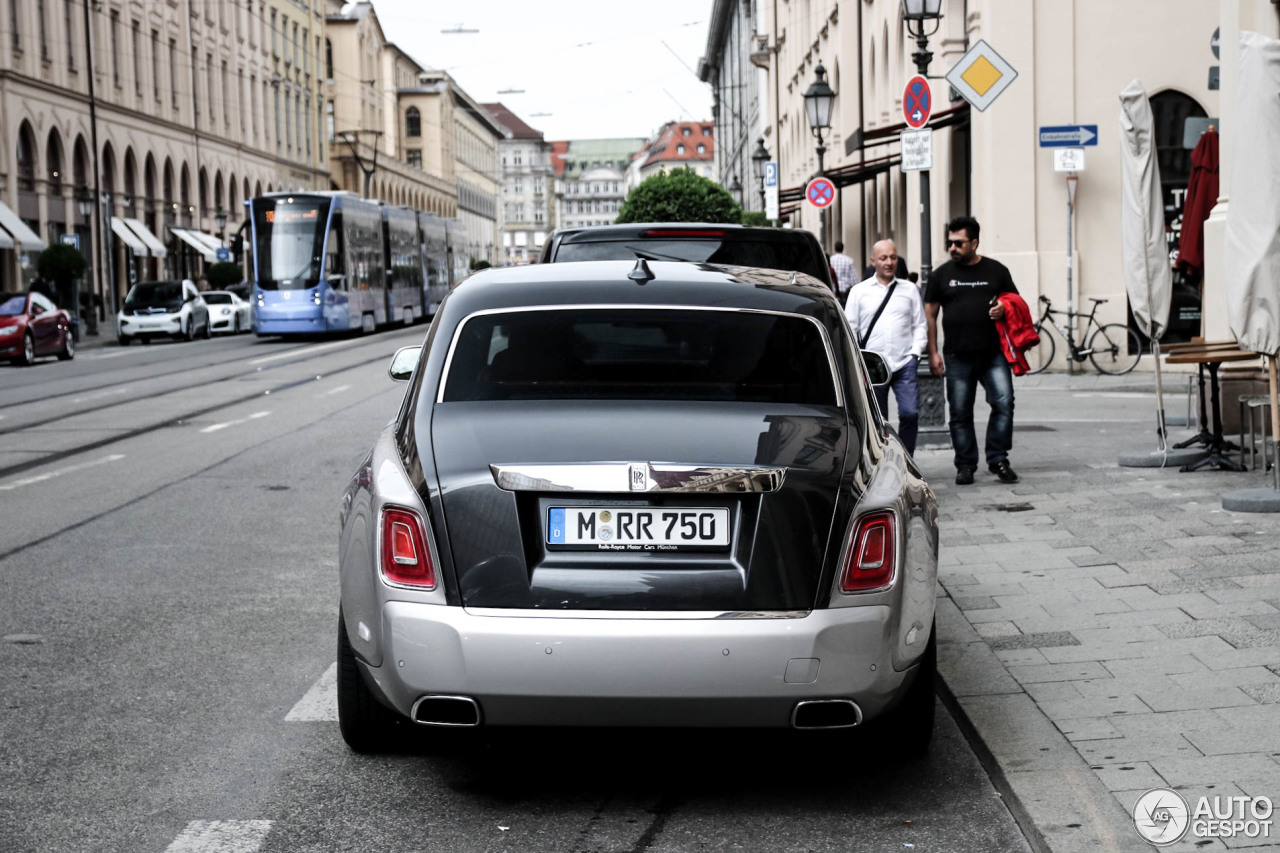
(223, 253)
(1069, 136)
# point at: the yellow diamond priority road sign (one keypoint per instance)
(981, 75)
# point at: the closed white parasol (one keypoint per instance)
(1146, 255)
(1252, 265)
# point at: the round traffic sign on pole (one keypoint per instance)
(820, 192)
(917, 102)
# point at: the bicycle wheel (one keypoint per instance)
(1041, 355)
(1116, 349)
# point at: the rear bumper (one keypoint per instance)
(268, 325)
(527, 669)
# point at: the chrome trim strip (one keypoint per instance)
(413, 712)
(617, 477)
(675, 615)
(857, 713)
(603, 306)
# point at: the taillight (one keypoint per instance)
(405, 558)
(869, 562)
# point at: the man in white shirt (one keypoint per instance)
(846, 272)
(900, 334)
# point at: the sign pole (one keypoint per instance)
(1072, 180)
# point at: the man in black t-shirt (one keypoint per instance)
(965, 290)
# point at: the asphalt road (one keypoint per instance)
(168, 620)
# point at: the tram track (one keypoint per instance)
(99, 389)
(177, 420)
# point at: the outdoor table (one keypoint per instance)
(1203, 437)
(1211, 357)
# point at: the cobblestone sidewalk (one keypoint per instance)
(1109, 630)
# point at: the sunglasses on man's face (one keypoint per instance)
(956, 243)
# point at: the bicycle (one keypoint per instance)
(1113, 348)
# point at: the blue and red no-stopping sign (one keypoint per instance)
(917, 102)
(820, 192)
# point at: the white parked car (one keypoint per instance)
(227, 312)
(156, 309)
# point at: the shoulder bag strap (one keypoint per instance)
(862, 342)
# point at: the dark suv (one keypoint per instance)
(768, 248)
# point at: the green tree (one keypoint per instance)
(62, 264)
(755, 217)
(224, 274)
(681, 195)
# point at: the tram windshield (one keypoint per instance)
(289, 241)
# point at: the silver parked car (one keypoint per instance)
(637, 494)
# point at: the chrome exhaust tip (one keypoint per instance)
(826, 714)
(453, 711)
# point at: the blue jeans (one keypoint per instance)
(906, 391)
(964, 375)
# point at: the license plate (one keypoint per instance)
(638, 528)
(149, 326)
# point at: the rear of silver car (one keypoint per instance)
(567, 554)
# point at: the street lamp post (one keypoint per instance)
(84, 206)
(735, 189)
(221, 218)
(918, 15)
(818, 101)
(758, 159)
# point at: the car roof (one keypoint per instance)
(680, 229)
(606, 282)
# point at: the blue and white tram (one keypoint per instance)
(318, 263)
(435, 259)
(401, 249)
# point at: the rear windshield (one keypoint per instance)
(218, 298)
(161, 293)
(641, 354)
(768, 254)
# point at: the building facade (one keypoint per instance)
(387, 138)
(735, 65)
(591, 179)
(676, 145)
(1071, 60)
(183, 115)
(528, 208)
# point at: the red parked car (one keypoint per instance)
(31, 325)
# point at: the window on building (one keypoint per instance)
(294, 49)
(226, 97)
(412, 122)
(115, 48)
(702, 149)
(275, 49)
(195, 100)
(706, 130)
(306, 122)
(14, 33)
(306, 54)
(686, 131)
(413, 157)
(155, 64)
(68, 29)
(43, 31)
(517, 157)
(680, 150)
(328, 60)
(328, 120)
(173, 77)
(517, 185)
(284, 39)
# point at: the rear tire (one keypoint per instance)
(366, 724)
(235, 326)
(1041, 355)
(910, 725)
(208, 329)
(28, 355)
(1116, 349)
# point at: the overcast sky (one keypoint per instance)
(599, 68)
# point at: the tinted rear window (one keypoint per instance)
(768, 254)
(155, 293)
(218, 298)
(641, 354)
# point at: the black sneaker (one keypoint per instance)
(964, 476)
(1002, 470)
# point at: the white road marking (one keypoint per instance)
(294, 353)
(49, 475)
(321, 702)
(337, 390)
(100, 395)
(216, 427)
(221, 836)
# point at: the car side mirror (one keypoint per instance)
(403, 363)
(877, 371)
